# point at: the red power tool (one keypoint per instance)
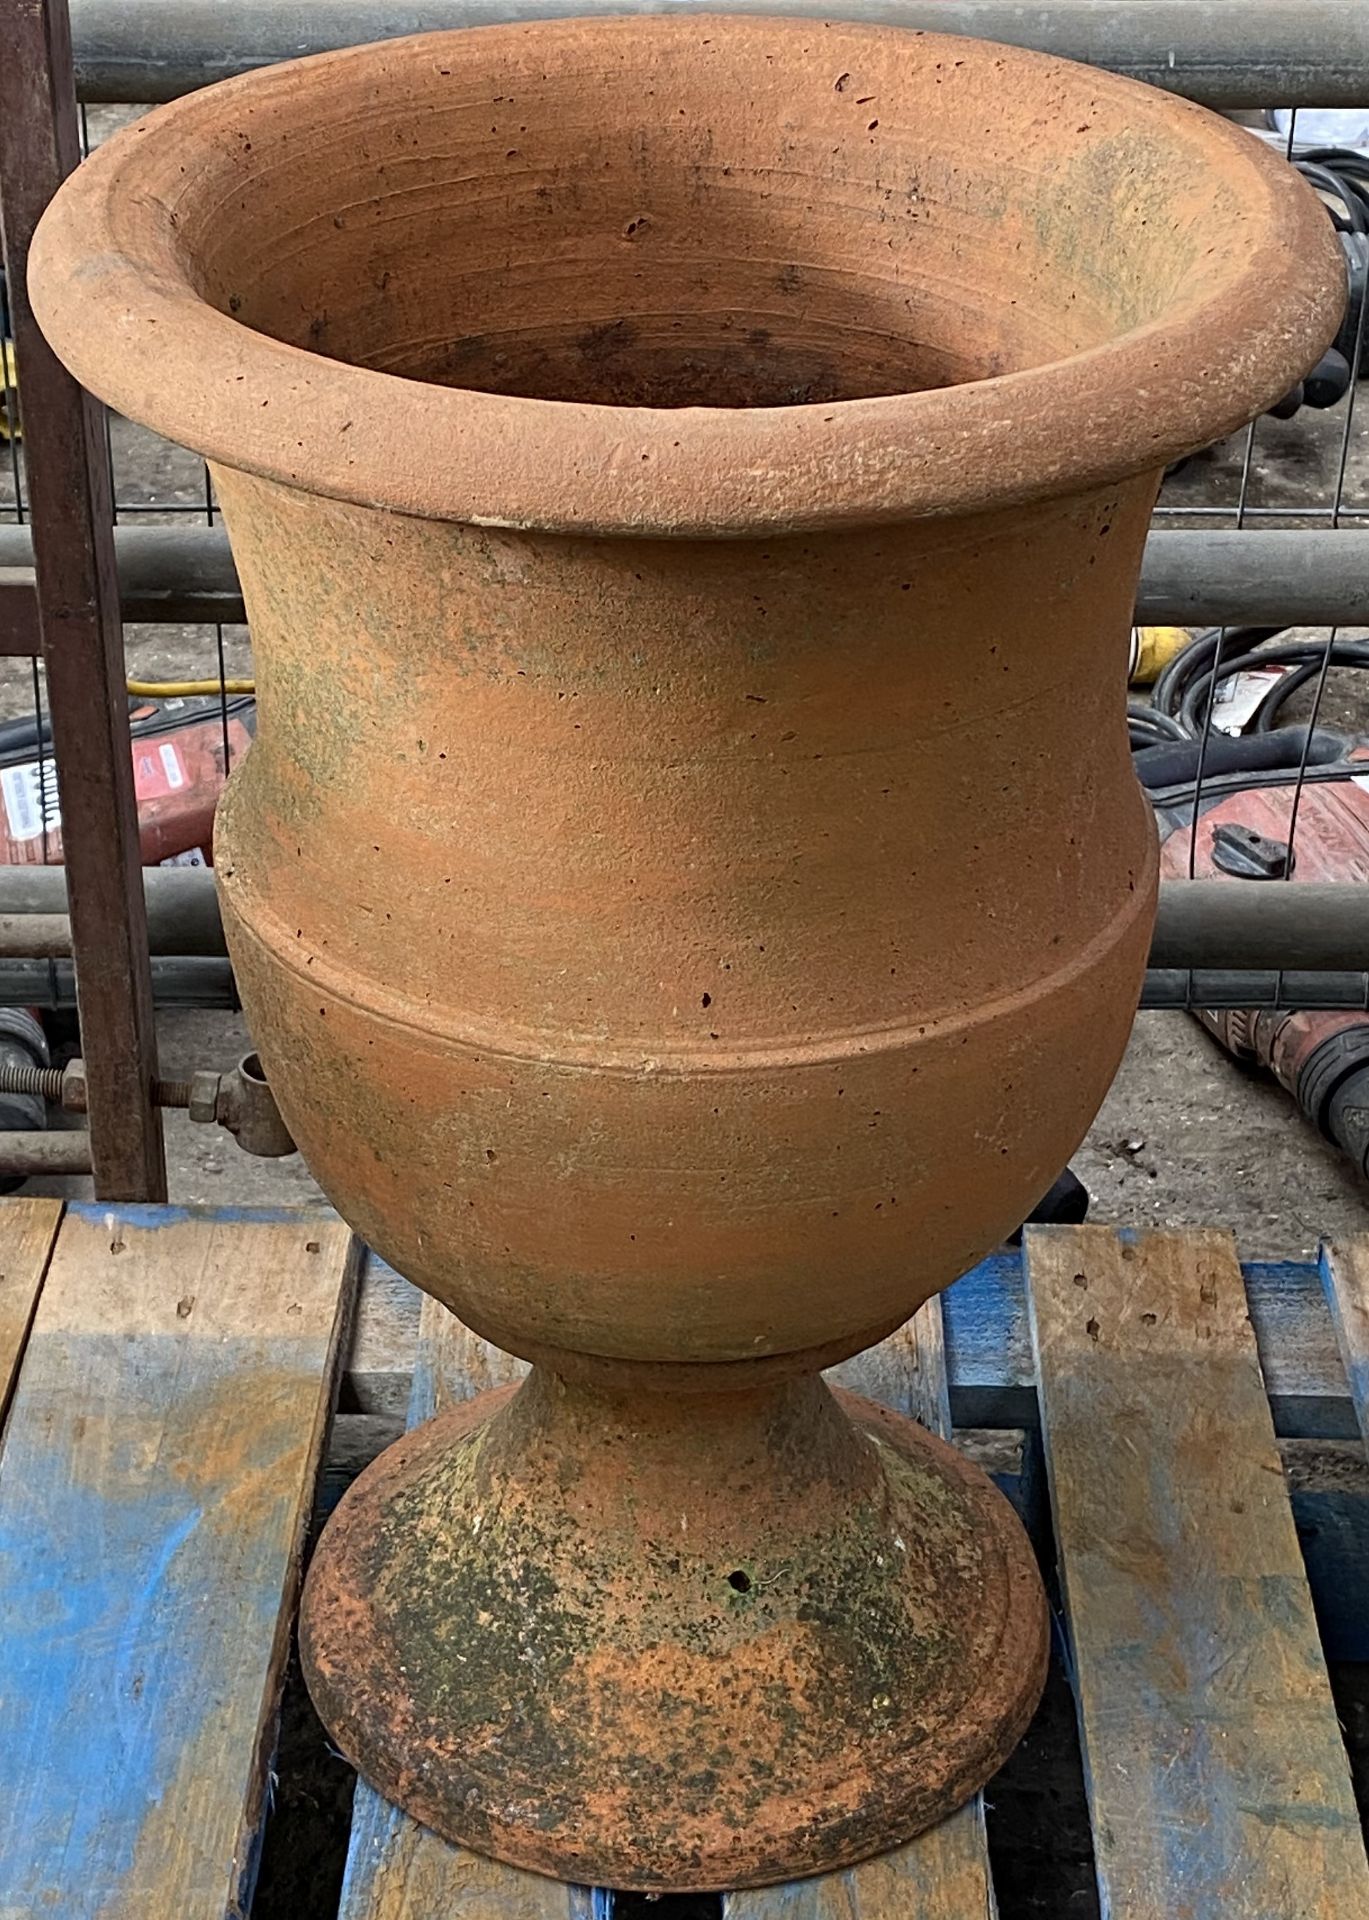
(181, 751)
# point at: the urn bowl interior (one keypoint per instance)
(730, 214)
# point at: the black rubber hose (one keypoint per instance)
(1176, 762)
(1149, 728)
(1264, 717)
(1193, 706)
(1325, 180)
(23, 735)
(1183, 793)
(1167, 695)
(1348, 162)
(1345, 653)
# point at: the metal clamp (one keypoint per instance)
(240, 1101)
(243, 1104)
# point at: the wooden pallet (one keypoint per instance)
(168, 1377)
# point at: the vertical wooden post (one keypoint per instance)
(82, 639)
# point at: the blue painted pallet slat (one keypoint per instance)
(992, 1381)
(155, 1483)
(1217, 1780)
(1345, 1274)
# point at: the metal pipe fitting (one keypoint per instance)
(1226, 924)
(243, 1104)
(182, 912)
(1200, 577)
(58, 1152)
(1289, 52)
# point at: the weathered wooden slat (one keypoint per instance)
(155, 1485)
(944, 1874)
(916, 1882)
(907, 1371)
(27, 1231)
(1216, 1774)
(397, 1870)
(461, 1363)
(378, 1377)
(1345, 1270)
(988, 1347)
(993, 1375)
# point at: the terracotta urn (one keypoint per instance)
(688, 477)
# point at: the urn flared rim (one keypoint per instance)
(116, 293)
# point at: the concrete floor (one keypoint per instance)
(1188, 1138)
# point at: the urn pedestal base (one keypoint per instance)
(672, 1640)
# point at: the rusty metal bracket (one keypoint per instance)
(243, 1104)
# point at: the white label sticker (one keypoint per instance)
(1238, 697)
(192, 857)
(171, 766)
(30, 799)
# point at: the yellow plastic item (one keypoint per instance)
(1152, 649)
(186, 689)
(9, 386)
